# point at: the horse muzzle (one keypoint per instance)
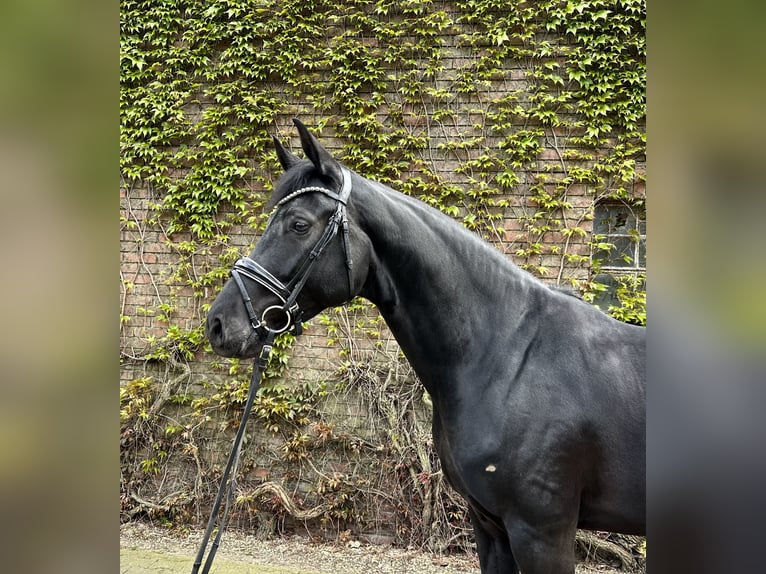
(231, 338)
(234, 334)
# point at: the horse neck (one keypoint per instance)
(439, 288)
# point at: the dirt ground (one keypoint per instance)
(147, 549)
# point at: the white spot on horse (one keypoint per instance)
(491, 468)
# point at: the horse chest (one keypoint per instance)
(493, 456)
(473, 460)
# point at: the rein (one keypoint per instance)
(227, 486)
(291, 313)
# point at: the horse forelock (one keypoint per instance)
(302, 175)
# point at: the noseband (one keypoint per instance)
(287, 316)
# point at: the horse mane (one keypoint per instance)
(476, 241)
(565, 291)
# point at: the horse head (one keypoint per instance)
(311, 256)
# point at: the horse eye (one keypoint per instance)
(300, 226)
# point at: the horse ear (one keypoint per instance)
(287, 158)
(319, 156)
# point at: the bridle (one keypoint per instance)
(288, 295)
(288, 314)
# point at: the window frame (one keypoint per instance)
(612, 277)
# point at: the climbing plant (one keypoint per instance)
(516, 119)
(203, 85)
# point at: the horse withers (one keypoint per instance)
(538, 397)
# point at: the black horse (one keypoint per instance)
(538, 397)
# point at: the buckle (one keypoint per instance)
(263, 358)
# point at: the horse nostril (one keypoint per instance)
(214, 330)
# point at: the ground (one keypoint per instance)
(147, 549)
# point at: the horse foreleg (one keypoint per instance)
(542, 551)
(495, 555)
